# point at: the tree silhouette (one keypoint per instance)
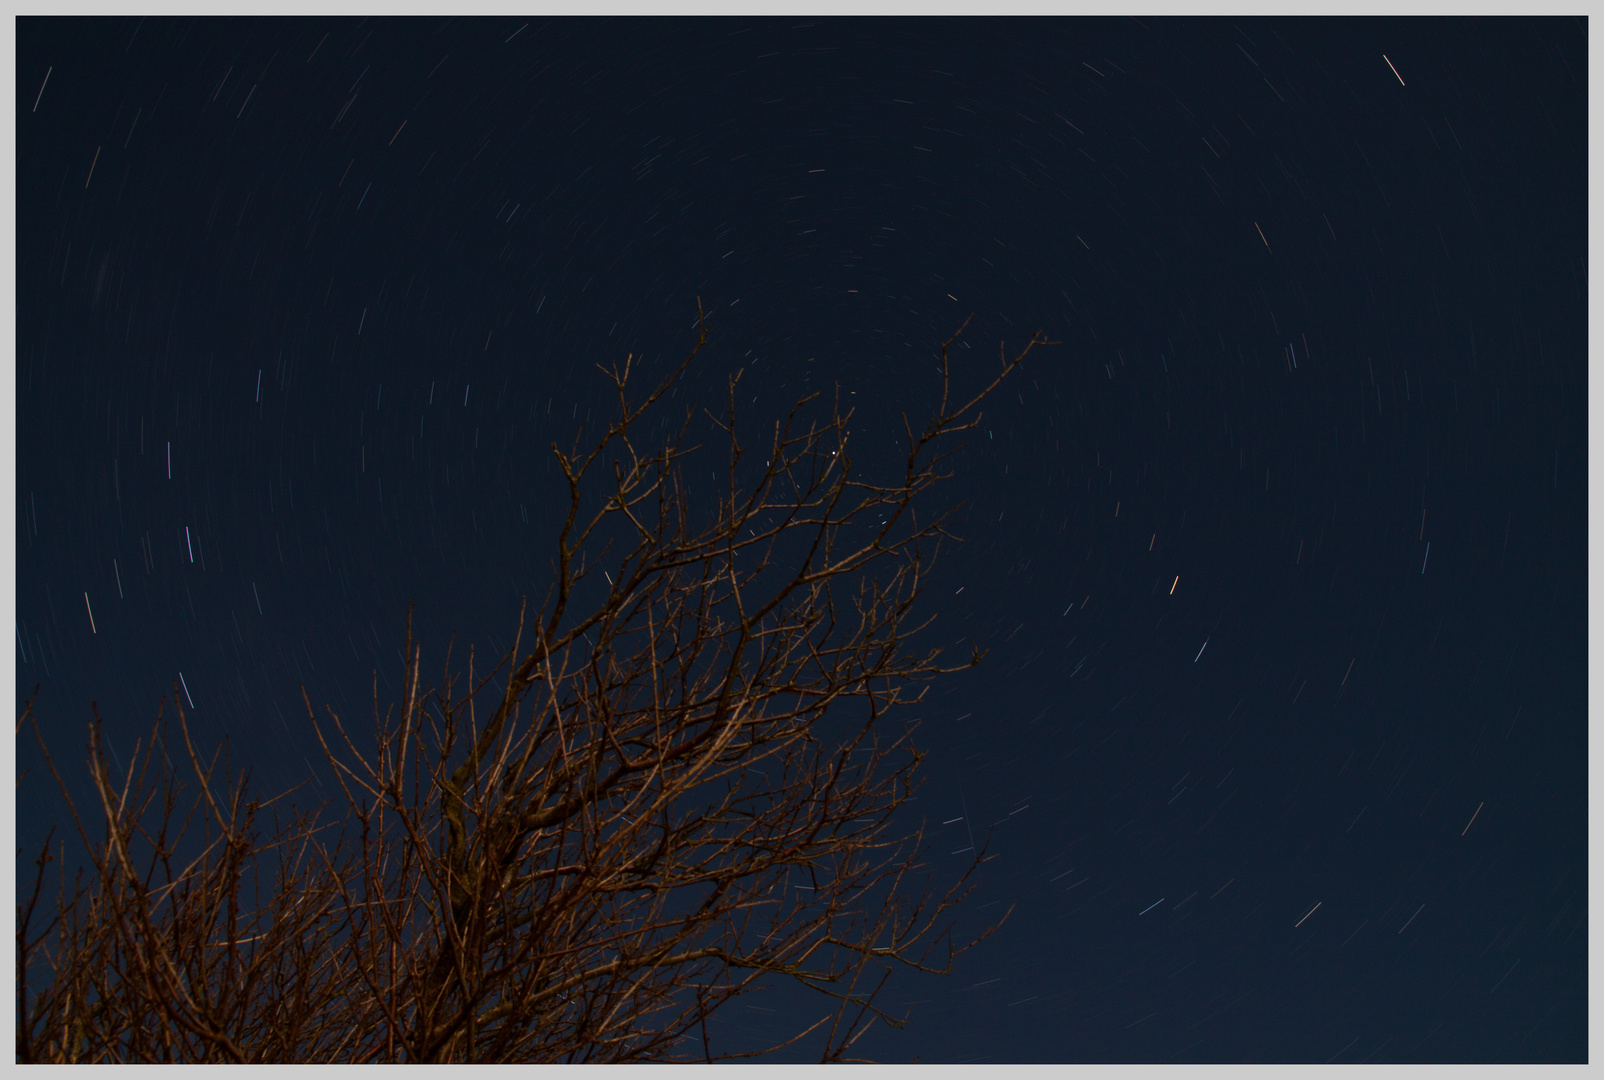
(672, 789)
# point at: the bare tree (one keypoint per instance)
(661, 798)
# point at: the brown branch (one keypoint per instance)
(679, 794)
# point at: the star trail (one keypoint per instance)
(1279, 554)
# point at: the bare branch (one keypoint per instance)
(642, 811)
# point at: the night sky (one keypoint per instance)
(1279, 555)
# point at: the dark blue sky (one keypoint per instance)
(1280, 555)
